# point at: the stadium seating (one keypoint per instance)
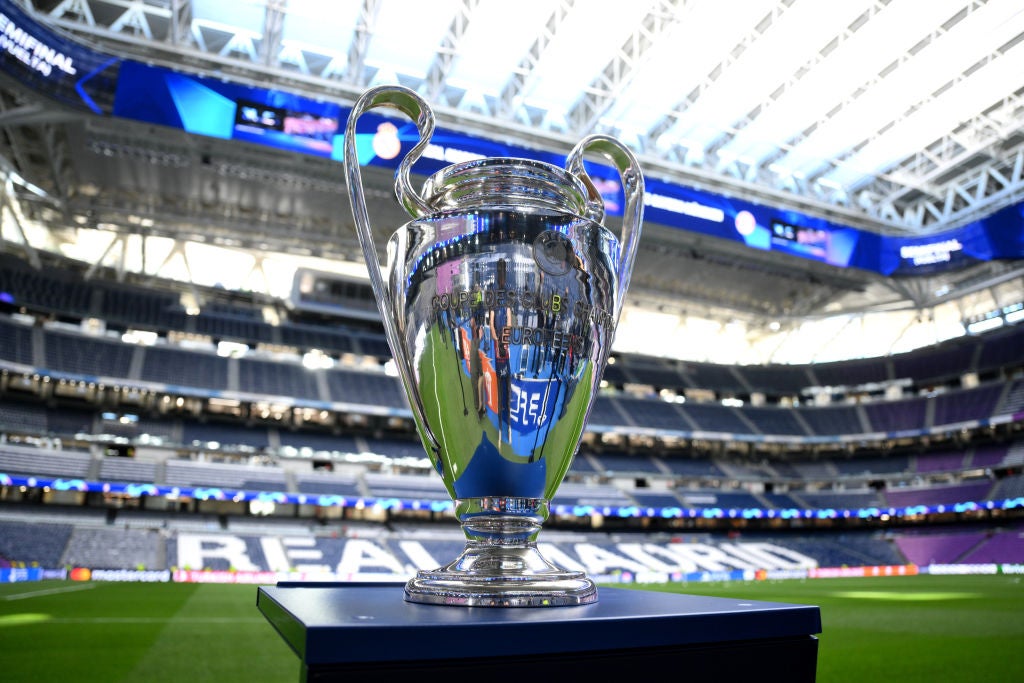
(1003, 546)
(896, 416)
(872, 466)
(694, 468)
(652, 414)
(271, 379)
(833, 420)
(933, 399)
(940, 462)
(44, 462)
(632, 464)
(26, 418)
(238, 477)
(16, 341)
(329, 484)
(397, 449)
(989, 456)
(65, 292)
(115, 548)
(1008, 487)
(68, 353)
(80, 355)
(606, 413)
(126, 470)
(775, 420)
(998, 350)
(774, 380)
(570, 493)
(941, 364)
(180, 368)
(225, 435)
(815, 470)
(366, 389)
(781, 470)
(717, 498)
(841, 500)
(584, 464)
(318, 442)
(711, 417)
(846, 549)
(938, 548)
(956, 407)
(418, 487)
(1013, 400)
(784, 501)
(851, 373)
(939, 495)
(40, 543)
(656, 499)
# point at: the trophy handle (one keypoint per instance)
(633, 187)
(413, 106)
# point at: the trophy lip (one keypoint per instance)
(572, 189)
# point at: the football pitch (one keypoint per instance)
(908, 629)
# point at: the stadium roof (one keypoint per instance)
(902, 118)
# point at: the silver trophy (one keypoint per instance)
(500, 305)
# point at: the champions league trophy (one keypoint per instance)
(500, 305)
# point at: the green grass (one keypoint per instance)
(922, 628)
(908, 629)
(138, 632)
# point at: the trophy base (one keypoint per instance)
(487, 575)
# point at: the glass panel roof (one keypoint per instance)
(407, 35)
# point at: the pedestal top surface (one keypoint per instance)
(346, 622)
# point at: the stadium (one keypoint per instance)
(815, 394)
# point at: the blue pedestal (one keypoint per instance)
(346, 629)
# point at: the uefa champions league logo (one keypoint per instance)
(551, 251)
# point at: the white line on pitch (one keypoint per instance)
(50, 591)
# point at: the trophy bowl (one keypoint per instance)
(500, 305)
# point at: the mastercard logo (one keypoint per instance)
(80, 574)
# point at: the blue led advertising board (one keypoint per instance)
(46, 62)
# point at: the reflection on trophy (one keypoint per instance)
(500, 306)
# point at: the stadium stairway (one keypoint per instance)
(93, 473)
(795, 495)
(929, 414)
(862, 418)
(161, 472)
(38, 348)
(803, 423)
(967, 553)
(1014, 456)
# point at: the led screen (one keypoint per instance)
(49, 63)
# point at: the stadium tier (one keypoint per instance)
(217, 434)
(63, 355)
(63, 292)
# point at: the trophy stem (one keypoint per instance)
(501, 566)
